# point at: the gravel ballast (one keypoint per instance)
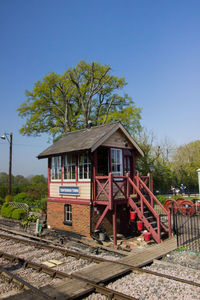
(184, 265)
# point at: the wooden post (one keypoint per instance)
(158, 226)
(49, 175)
(110, 178)
(101, 218)
(151, 176)
(127, 186)
(114, 226)
(94, 175)
(151, 188)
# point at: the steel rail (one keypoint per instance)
(99, 260)
(56, 248)
(22, 283)
(59, 274)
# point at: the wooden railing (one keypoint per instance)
(110, 189)
(148, 180)
(140, 188)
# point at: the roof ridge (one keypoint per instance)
(70, 132)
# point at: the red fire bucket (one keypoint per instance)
(147, 236)
(139, 225)
(132, 215)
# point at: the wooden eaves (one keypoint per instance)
(87, 139)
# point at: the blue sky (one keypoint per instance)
(154, 44)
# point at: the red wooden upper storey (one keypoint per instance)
(91, 152)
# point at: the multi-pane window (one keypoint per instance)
(56, 168)
(116, 162)
(84, 167)
(68, 214)
(69, 167)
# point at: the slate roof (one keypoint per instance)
(86, 139)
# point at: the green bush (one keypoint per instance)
(6, 210)
(22, 198)
(32, 218)
(8, 198)
(43, 205)
(18, 214)
(161, 198)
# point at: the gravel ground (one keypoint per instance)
(184, 265)
(36, 279)
(185, 259)
(6, 287)
(72, 265)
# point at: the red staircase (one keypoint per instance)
(111, 191)
(143, 202)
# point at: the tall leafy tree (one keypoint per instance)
(185, 163)
(156, 160)
(87, 92)
(19, 179)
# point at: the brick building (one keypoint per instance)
(91, 181)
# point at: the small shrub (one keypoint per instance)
(32, 218)
(182, 249)
(6, 210)
(43, 205)
(36, 209)
(18, 214)
(22, 198)
(8, 198)
(161, 198)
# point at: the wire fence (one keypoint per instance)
(20, 205)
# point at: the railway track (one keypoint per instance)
(43, 252)
(18, 262)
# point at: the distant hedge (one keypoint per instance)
(34, 191)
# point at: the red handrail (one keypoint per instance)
(152, 195)
(158, 202)
(143, 197)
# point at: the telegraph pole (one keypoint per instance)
(9, 139)
(10, 166)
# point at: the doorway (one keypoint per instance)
(102, 162)
(128, 163)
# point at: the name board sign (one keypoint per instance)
(69, 190)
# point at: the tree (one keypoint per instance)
(19, 180)
(38, 179)
(88, 92)
(146, 143)
(185, 162)
(156, 159)
(3, 178)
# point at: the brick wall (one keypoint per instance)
(80, 218)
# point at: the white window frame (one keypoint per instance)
(68, 163)
(88, 164)
(114, 155)
(68, 214)
(56, 167)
